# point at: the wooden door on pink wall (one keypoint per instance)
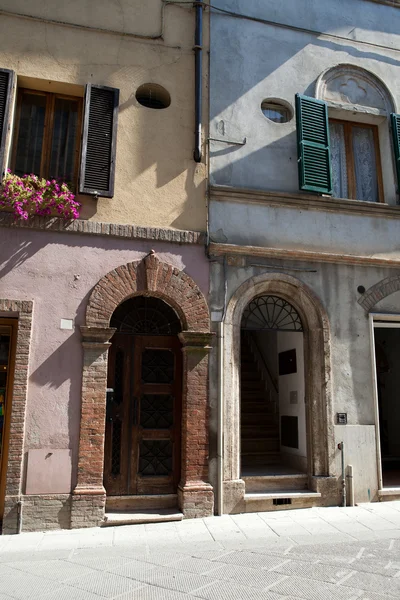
(143, 422)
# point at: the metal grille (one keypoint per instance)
(155, 458)
(116, 447)
(146, 316)
(119, 377)
(156, 411)
(271, 312)
(99, 139)
(158, 366)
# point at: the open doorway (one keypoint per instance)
(273, 415)
(387, 361)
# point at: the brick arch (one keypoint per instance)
(379, 291)
(149, 277)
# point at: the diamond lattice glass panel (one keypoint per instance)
(338, 158)
(155, 458)
(158, 366)
(145, 316)
(156, 411)
(116, 447)
(365, 164)
(271, 312)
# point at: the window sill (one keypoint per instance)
(304, 201)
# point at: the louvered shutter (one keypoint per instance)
(314, 158)
(395, 120)
(7, 79)
(99, 139)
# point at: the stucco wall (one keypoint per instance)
(253, 61)
(351, 365)
(58, 272)
(157, 182)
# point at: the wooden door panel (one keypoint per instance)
(143, 424)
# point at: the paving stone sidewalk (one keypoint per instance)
(310, 554)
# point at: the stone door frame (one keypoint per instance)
(320, 430)
(22, 310)
(149, 277)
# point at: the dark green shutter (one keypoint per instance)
(395, 120)
(99, 141)
(314, 158)
(7, 79)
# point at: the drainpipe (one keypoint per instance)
(341, 447)
(198, 58)
(19, 516)
(220, 446)
(350, 484)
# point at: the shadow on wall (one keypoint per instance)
(279, 161)
(245, 54)
(15, 256)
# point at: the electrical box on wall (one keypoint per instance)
(342, 418)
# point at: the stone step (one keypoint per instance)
(273, 483)
(133, 503)
(280, 500)
(164, 515)
(259, 444)
(251, 459)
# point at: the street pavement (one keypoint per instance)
(312, 554)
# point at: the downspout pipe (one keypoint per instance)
(198, 58)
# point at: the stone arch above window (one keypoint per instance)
(379, 291)
(348, 86)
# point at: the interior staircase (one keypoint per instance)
(259, 417)
(269, 485)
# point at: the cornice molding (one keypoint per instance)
(79, 226)
(302, 255)
(301, 201)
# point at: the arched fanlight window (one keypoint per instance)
(271, 313)
(144, 315)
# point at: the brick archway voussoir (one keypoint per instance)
(379, 291)
(148, 277)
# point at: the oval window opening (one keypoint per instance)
(276, 111)
(153, 95)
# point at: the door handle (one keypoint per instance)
(134, 420)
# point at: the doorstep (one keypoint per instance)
(389, 494)
(162, 515)
(280, 500)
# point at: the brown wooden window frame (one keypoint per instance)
(351, 176)
(51, 98)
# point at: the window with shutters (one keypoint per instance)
(47, 135)
(355, 158)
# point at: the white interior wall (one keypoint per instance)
(293, 382)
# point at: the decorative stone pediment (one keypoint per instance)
(348, 85)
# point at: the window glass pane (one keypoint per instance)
(30, 134)
(338, 158)
(365, 164)
(62, 160)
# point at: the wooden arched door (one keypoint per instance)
(144, 400)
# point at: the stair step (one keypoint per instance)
(250, 459)
(284, 499)
(272, 483)
(138, 503)
(253, 446)
(164, 515)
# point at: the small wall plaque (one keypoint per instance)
(342, 418)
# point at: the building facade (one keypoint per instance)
(104, 322)
(304, 223)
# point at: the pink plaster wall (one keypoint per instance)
(58, 271)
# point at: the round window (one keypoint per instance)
(153, 95)
(276, 111)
